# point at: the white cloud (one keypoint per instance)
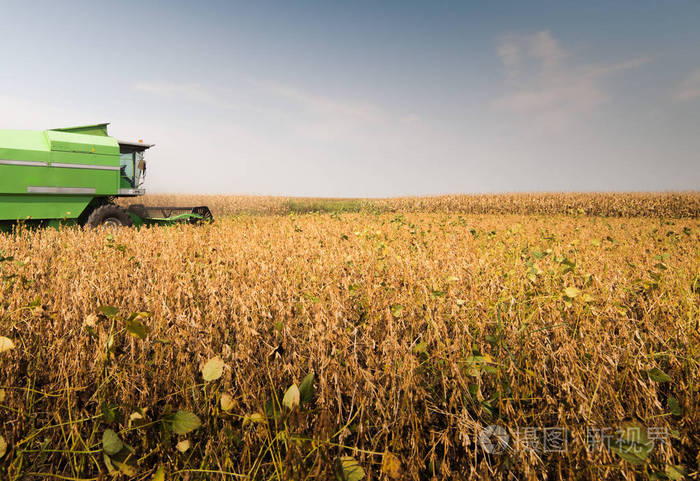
(549, 89)
(306, 113)
(544, 47)
(689, 89)
(323, 118)
(323, 105)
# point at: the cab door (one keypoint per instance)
(126, 169)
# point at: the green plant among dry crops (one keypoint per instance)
(372, 345)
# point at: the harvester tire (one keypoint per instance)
(206, 214)
(109, 215)
(138, 210)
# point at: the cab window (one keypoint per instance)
(126, 164)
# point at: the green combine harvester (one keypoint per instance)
(73, 175)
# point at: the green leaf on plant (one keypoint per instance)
(658, 375)
(306, 389)
(420, 348)
(673, 406)
(587, 297)
(125, 468)
(183, 422)
(632, 445)
(137, 329)
(108, 462)
(159, 475)
(490, 369)
(226, 402)
(571, 292)
(568, 265)
(213, 369)
(109, 311)
(111, 444)
(291, 397)
(348, 469)
(674, 472)
(253, 418)
(109, 413)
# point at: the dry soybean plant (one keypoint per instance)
(370, 345)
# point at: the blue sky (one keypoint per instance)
(370, 98)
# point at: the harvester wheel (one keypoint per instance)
(109, 215)
(204, 212)
(138, 209)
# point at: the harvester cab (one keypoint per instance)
(132, 165)
(74, 174)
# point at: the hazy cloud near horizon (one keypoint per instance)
(371, 100)
(689, 88)
(550, 90)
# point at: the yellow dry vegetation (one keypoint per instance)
(650, 204)
(373, 345)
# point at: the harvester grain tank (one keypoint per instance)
(75, 174)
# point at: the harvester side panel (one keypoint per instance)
(42, 206)
(88, 144)
(54, 175)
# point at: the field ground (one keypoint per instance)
(395, 339)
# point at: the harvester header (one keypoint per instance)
(74, 174)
